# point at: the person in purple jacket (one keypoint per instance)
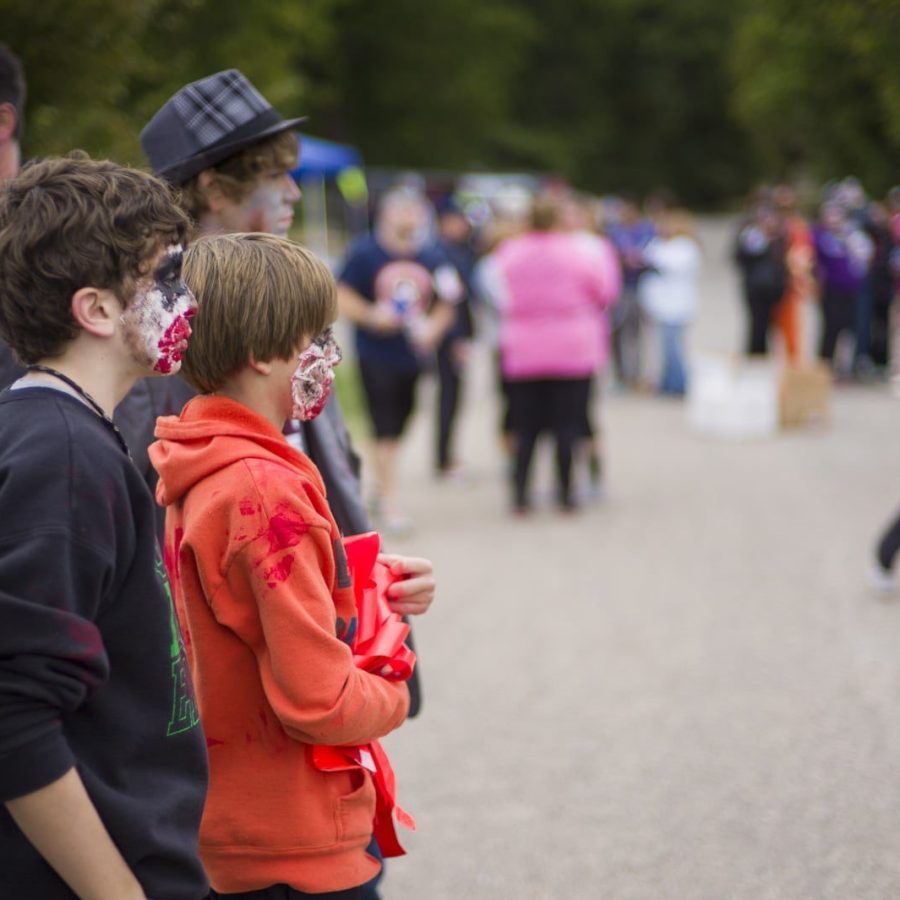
(842, 259)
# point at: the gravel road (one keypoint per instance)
(687, 691)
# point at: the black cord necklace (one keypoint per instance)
(87, 399)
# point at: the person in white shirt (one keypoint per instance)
(669, 292)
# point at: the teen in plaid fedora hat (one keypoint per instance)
(208, 121)
(237, 182)
(231, 155)
(230, 152)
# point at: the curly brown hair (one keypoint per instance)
(238, 175)
(73, 222)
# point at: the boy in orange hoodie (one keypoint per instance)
(261, 582)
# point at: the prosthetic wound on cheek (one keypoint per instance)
(312, 381)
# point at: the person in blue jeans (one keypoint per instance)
(669, 292)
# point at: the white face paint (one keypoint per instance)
(156, 320)
(313, 378)
(270, 207)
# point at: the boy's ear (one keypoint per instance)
(211, 190)
(96, 310)
(261, 368)
(8, 119)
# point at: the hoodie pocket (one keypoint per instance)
(356, 810)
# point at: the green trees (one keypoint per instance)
(699, 96)
(817, 85)
(97, 70)
(428, 85)
(634, 95)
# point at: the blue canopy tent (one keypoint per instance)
(322, 163)
(324, 159)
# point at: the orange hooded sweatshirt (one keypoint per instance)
(265, 602)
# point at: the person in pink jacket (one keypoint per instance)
(556, 288)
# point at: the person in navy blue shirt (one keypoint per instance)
(400, 292)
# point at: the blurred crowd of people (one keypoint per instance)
(558, 284)
(569, 290)
(847, 256)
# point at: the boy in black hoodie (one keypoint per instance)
(102, 761)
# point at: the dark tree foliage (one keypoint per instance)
(428, 85)
(817, 84)
(697, 96)
(634, 95)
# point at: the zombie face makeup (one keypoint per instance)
(312, 380)
(156, 320)
(270, 207)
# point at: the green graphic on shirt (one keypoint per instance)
(184, 708)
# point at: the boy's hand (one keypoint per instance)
(413, 595)
(62, 823)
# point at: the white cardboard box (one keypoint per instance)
(733, 398)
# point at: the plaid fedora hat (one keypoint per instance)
(208, 121)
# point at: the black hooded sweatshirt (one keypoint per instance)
(92, 666)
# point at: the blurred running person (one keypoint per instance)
(883, 575)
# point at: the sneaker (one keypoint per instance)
(882, 579)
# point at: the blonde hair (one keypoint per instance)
(546, 212)
(258, 295)
(237, 176)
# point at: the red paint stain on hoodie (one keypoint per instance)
(280, 571)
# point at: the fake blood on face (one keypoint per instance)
(173, 343)
(313, 378)
(156, 320)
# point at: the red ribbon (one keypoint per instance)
(378, 647)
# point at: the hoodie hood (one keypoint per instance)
(213, 433)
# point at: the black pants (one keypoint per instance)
(761, 303)
(284, 892)
(838, 312)
(390, 397)
(555, 405)
(889, 545)
(449, 383)
(881, 325)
